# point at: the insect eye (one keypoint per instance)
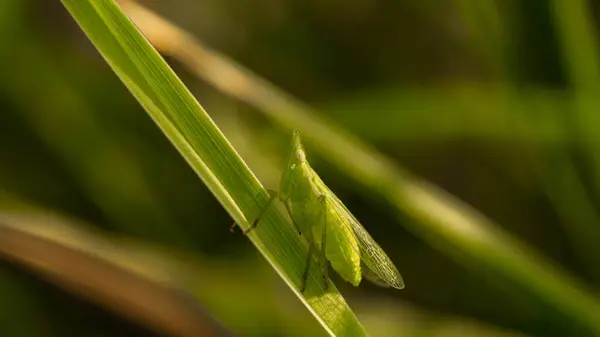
(300, 156)
(293, 166)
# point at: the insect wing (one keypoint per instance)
(371, 276)
(382, 269)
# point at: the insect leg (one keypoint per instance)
(289, 210)
(324, 264)
(272, 195)
(311, 247)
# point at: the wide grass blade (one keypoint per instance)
(194, 134)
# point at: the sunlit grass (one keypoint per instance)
(439, 218)
(116, 182)
(201, 143)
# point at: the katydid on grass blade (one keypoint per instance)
(332, 232)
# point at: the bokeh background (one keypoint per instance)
(494, 101)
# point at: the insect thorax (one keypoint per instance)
(303, 194)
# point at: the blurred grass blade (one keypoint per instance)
(44, 245)
(87, 158)
(576, 31)
(484, 25)
(578, 36)
(188, 126)
(440, 219)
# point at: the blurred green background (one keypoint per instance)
(494, 101)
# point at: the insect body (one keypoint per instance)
(333, 233)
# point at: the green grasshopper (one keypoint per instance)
(333, 232)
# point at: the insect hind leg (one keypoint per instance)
(288, 207)
(311, 248)
(324, 264)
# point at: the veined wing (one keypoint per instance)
(382, 269)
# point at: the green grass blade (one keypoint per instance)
(484, 26)
(194, 134)
(440, 219)
(575, 27)
(578, 37)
